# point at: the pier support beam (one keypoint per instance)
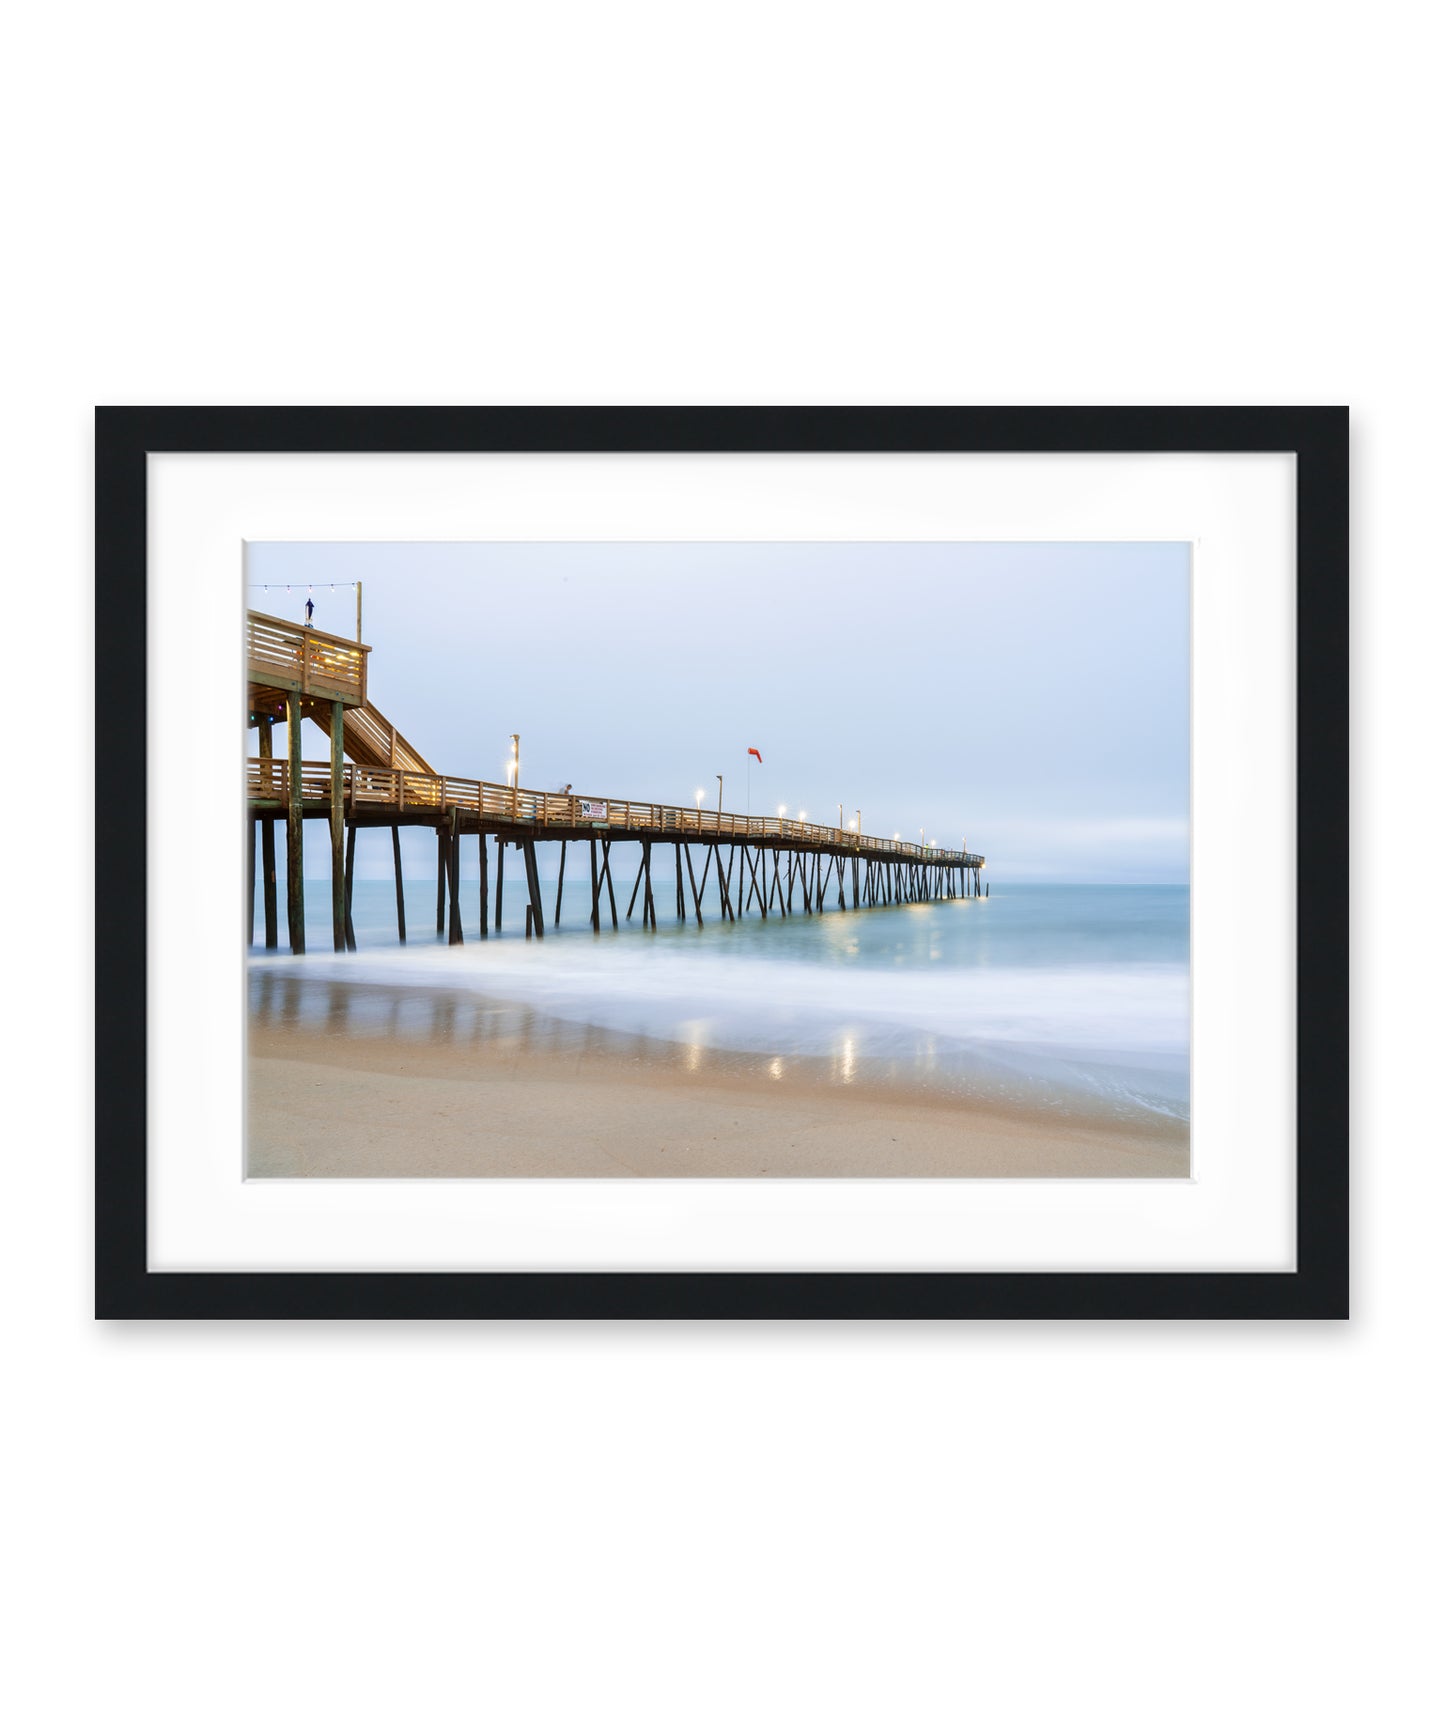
(501, 853)
(454, 875)
(482, 864)
(268, 838)
(295, 894)
(400, 895)
(649, 908)
(607, 876)
(441, 881)
(350, 879)
(692, 880)
(561, 873)
(338, 836)
(268, 879)
(724, 883)
(534, 886)
(596, 909)
(637, 886)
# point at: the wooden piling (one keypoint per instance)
(338, 820)
(754, 893)
(692, 879)
(251, 882)
(268, 837)
(725, 882)
(534, 886)
(637, 885)
(607, 875)
(400, 894)
(268, 880)
(295, 894)
(455, 934)
(649, 909)
(349, 931)
(596, 889)
(681, 900)
(561, 872)
(482, 921)
(501, 853)
(441, 881)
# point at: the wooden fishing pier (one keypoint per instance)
(375, 779)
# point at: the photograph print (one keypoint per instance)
(718, 860)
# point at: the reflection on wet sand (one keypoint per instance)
(362, 1013)
(368, 1011)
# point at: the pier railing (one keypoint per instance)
(405, 791)
(300, 659)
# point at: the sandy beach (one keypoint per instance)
(332, 1104)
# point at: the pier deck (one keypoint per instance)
(296, 672)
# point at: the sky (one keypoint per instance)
(1031, 698)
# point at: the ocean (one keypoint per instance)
(1041, 996)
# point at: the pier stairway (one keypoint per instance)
(368, 738)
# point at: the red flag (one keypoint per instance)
(753, 753)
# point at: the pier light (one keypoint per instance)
(699, 800)
(801, 817)
(895, 837)
(782, 812)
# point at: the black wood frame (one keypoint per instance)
(1318, 1288)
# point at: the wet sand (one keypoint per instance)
(336, 1104)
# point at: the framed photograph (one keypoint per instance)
(838, 863)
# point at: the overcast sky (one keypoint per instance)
(1031, 697)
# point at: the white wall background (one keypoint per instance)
(1005, 1527)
